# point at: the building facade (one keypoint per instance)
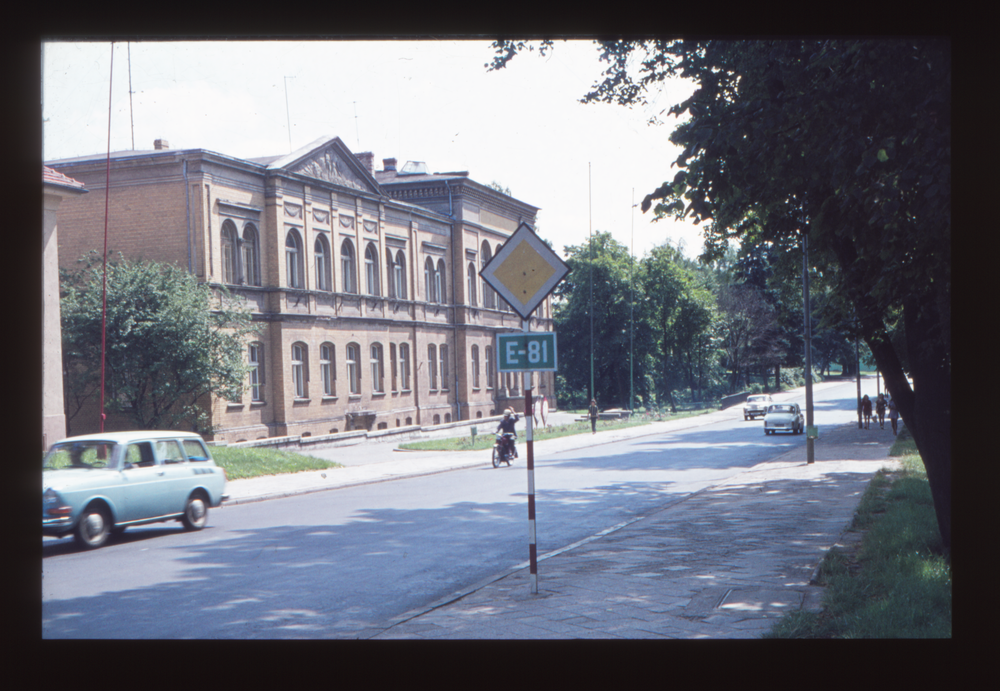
(55, 188)
(363, 284)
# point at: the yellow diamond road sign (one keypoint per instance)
(524, 271)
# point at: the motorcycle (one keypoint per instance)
(503, 449)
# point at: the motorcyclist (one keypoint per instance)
(506, 425)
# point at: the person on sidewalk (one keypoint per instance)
(592, 410)
(866, 410)
(893, 415)
(506, 426)
(880, 410)
(545, 412)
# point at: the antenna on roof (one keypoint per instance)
(131, 117)
(288, 116)
(357, 137)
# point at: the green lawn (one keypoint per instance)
(897, 584)
(253, 461)
(484, 439)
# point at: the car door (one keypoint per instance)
(145, 489)
(178, 477)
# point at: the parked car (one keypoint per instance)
(100, 484)
(784, 417)
(756, 406)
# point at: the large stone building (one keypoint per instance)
(364, 284)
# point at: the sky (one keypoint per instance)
(584, 166)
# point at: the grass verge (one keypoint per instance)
(895, 583)
(484, 439)
(247, 462)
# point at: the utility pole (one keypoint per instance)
(810, 456)
(590, 223)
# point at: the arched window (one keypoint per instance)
(390, 282)
(432, 366)
(475, 367)
(429, 279)
(501, 303)
(322, 252)
(393, 369)
(251, 256)
(489, 367)
(230, 269)
(443, 350)
(293, 259)
(399, 274)
(489, 297)
(255, 360)
(299, 374)
(354, 368)
(328, 369)
(371, 270)
(377, 368)
(440, 287)
(472, 284)
(404, 366)
(348, 267)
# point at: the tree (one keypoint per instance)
(171, 343)
(847, 141)
(612, 316)
(679, 314)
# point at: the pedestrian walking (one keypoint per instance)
(536, 409)
(592, 410)
(866, 409)
(893, 415)
(545, 412)
(880, 406)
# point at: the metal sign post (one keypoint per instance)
(523, 272)
(528, 421)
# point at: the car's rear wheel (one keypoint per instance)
(94, 527)
(195, 512)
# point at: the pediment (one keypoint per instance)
(329, 160)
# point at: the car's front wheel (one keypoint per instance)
(195, 512)
(94, 527)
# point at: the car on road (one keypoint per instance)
(784, 417)
(756, 406)
(98, 485)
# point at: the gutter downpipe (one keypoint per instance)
(454, 302)
(187, 203)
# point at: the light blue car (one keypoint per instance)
(99, 484)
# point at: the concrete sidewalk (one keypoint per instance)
(726, 562)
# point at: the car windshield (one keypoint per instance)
(757, 399)
(81, 454)
(780, 409)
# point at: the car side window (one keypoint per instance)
(195, 450)
(140, 455)
(169, 451)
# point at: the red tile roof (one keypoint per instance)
(54, 177)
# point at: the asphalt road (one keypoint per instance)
(342, 563)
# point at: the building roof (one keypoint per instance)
(54, 177)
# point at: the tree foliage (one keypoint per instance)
(170, 343)
(845, 140)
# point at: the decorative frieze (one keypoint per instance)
(321, 216)
(293, 210)
(371, 226)
(347, 222)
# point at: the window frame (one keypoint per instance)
(378, 368)
(328, 368)
(321, 252)
(372, 285)
(293, 260)
(354, 368)
(348, 267)
(255, 363)
(300, 374)
(432, 366)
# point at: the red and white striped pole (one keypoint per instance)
(532, 549)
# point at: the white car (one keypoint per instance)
(98, 485)
(756, 405)
(784, 417)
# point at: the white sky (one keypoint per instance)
(430, 101)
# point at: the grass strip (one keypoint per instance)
(896, 584)
(484, 438)
(254, 461)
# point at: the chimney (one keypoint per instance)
(161, 144)
(367, 159)
(389, 164)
